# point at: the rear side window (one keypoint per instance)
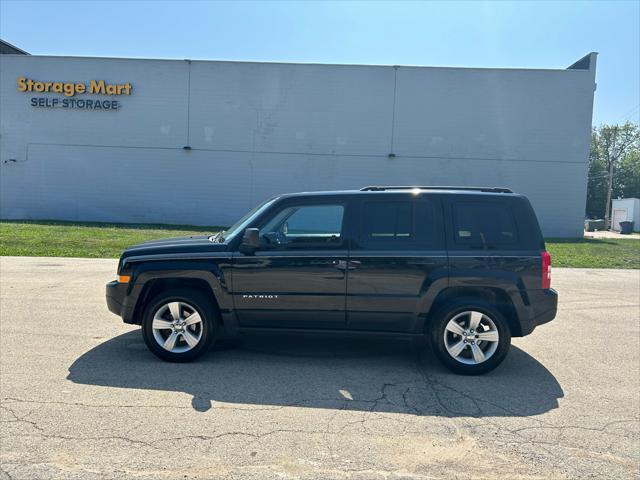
(398, 225)
(387, 221)
(484, 225)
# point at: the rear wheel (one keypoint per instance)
(470, 336)
(179, 325)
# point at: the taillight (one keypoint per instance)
(546, 270)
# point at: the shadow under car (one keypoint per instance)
(366, 374)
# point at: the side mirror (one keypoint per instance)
(250, 240)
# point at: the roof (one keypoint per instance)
(382, 188)
(586, 63)
(492, 191)
(7, 48)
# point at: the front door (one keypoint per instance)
(297, 279)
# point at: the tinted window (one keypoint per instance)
(304, 226)
(387, 220)
(390, 225)
(482, 225)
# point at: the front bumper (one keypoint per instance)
(543, 307)
(117, 300)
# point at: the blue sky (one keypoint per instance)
(470, 34)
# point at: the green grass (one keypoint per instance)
(72, 239)
(86, 239)
(594, 253)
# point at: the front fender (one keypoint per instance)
(215, 273)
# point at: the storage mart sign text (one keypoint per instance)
(75, 103)
(69, 89)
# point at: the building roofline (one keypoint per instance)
(80, 57)
(585, 63)
(23, 52)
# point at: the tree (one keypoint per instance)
(627, 182)
(614, 167)
(597, 180)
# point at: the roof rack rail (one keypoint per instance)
(376, 188)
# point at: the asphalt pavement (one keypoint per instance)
(81, 397)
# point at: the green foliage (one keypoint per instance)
(596, 186)
(594, 252)
(627, 183)
(66, 239)
(617, 145)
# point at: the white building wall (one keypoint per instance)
(259, 129)
(632, 208)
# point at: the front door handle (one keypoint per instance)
(346, 265)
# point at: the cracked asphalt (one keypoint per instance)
(81, 397)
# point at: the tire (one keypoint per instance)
(189, 340)
(481, 351)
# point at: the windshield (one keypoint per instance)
(245, 220)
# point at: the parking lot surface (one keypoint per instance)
(81, 397)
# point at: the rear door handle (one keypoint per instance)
(340, 264)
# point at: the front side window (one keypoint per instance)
(304, 226)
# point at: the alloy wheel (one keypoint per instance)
(471, 337)
(177, 327)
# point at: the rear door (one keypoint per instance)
(396, 258)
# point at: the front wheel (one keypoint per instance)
(470, 337)
(179, 325)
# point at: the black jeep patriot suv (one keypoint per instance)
(464, 267)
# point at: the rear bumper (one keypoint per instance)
(117, 300)
(543, 306)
